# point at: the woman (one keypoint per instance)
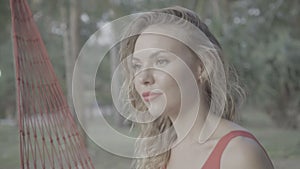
(184, 95)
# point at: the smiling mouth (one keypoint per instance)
(148, 96)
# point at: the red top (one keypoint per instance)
(214, 159)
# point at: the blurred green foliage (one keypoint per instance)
(260, 38)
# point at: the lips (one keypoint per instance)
(149, 96)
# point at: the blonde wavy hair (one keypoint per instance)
(233, 92)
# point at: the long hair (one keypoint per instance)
(232, 93)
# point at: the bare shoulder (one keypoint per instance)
(246, 153)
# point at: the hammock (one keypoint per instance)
(47, 132)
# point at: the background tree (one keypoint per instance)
(261, 38)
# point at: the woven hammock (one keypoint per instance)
(47, 131)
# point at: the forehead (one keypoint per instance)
(157, 41)
(155, 38)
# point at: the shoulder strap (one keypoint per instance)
(213, 161)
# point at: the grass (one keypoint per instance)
(9, 147)
(282, 145)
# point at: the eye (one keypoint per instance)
(162, 62)
(136, 66)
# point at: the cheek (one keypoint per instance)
(177, 82)
(168, 84)
(137, 86)
(173, 76)
(164, 80)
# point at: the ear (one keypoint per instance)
(200, 70)
(201, 73)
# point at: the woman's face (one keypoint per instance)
(157, 61)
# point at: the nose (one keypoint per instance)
(145, 77)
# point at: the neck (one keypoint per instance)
(188, 124)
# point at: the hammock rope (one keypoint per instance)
(47, 131)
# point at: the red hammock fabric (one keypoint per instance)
(48, 134)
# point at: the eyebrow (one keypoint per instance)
(152, 55)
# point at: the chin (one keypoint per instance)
(156, 111)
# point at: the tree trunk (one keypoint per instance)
(71, 43)
(114, 62)
(199, 6)
(217, 19)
